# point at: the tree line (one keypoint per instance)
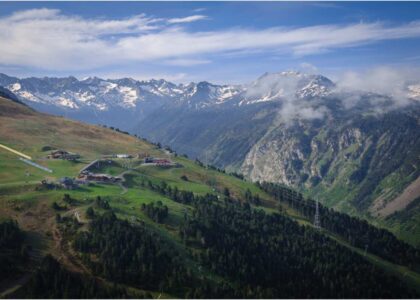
(180, 196)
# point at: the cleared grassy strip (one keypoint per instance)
(15, 151)
(410, 277)
(35, 165)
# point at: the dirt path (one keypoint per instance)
(66, 254)
(44, 237)
(89, 165)
(124, 189)
(121, 184)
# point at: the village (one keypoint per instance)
(92, 172)
(95, 171)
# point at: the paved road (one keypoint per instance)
(89, 165)
(121, 184)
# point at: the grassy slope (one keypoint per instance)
(28, 131)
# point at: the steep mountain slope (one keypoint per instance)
(355, 151)
(179, 231)
(354, 160)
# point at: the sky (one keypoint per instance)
(220, 42)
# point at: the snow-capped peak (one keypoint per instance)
(288, 84)
(128, 93)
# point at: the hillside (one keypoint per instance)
(171, 228)
(361, 159)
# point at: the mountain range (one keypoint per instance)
(354, 150)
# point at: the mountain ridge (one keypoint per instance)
(52, 90)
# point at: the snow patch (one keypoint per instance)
(129, 95)
(67, 103)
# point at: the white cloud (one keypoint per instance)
(393, 82)
(292, 109)
(185, 62)
(383, 80)
(34, 14)
(308, 68)
(188, 19)
(377, 90)
(51, 40)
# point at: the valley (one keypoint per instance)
(209, 150)
(355, 151)
(51, 231)
(179, 209)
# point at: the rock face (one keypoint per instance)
(347, 162)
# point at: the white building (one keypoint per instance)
(124, 156)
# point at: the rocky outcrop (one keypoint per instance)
(347, 162)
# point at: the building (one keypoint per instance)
(62, 154)
(87, 176)
(47, 185)
(81, 182)
(68, 183)
(124, 156)
(161, 162)
(148, 160)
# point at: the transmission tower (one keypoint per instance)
(317, 222)
(206, 159)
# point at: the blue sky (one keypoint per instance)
(222, 42)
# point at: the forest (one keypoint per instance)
(256, 254)
(51, 280)
(271, 256)
(228, 248)
(357, 232)
(130, 254)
